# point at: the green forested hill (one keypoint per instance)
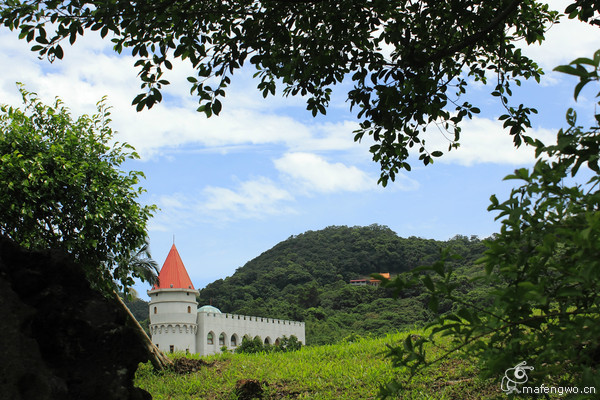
(306, 278)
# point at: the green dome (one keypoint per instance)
(209, 309)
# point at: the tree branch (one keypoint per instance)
(469, 40)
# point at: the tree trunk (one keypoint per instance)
(159, 360)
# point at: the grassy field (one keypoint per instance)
(353, 370)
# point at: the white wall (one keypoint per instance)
(173, 319)
(241, 325)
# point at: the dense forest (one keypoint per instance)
(306, 278)
(139, 309)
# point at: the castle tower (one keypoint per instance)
(173, 307)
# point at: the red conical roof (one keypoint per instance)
(173, 274)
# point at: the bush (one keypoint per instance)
(252, 346)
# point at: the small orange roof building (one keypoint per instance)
(384, 274)
(173, 274)
(369, 281)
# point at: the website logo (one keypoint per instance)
(513, 377)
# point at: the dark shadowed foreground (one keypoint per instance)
(59, 339)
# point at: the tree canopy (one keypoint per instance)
(410, 62)
(63, 189)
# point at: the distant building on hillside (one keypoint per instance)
(177, 324)
(367, 281)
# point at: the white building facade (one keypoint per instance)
(177, 324)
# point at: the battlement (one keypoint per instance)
(253, 319)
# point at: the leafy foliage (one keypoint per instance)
(410, 62)
(306, 278)
(288, 344)
(140, 263)
(63, 189)
(252, 346)
(544, 263)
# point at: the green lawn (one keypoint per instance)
(342, 371)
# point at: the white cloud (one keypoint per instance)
(329, 136)
(170, 128)
(484, 140)
(91, 70)
(255, 198)
(174, 210)
(315, 174)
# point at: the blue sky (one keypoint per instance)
(233, 186)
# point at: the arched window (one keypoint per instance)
(234, 341)
(267, 340)
(209, 338)
(189, 309)
(222, 339)
(154, 310)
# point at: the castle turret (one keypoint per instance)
(173, 305)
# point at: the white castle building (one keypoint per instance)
(177, 324)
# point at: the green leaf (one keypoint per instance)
(584, 60)
(570, 70)
(568, 292)
(58, 52)
(138, 99)
(428, 283)
(216, 107)
(580, 86)
(140, 105)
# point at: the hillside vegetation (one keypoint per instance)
(306, 278)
